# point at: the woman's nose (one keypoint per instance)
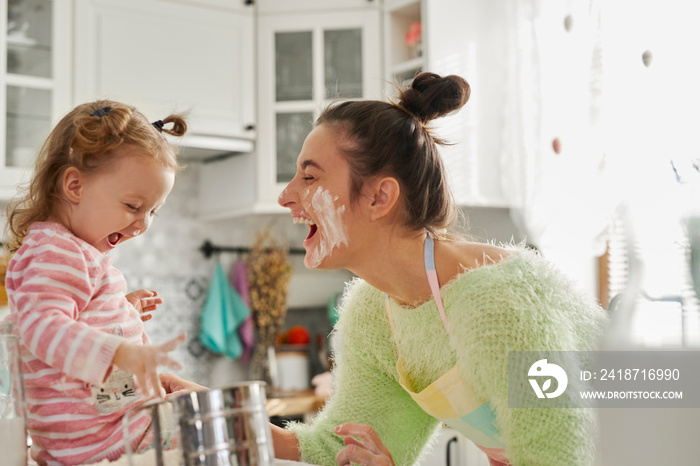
(285, 198)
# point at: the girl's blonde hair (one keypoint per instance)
(86, 138)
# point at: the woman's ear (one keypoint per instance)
(383, 197)
(72, 185)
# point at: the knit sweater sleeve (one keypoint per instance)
(49, 285)
(366, 387)
(527, 307)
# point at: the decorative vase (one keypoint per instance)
(263, 364)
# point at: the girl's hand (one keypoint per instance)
(144, 301)
(175, 386)
(368, 450)
(143, 360)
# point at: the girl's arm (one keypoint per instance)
(145, 302)
(143, 360)
(49, 285)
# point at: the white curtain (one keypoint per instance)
(560, 199)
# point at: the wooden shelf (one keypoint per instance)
(294, 403)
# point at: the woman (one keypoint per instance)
(425, 331)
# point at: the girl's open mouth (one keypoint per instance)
(114, 238)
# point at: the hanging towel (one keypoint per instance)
(223, 312)
(333, 305)
(246, 333)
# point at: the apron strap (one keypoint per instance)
(429, 258)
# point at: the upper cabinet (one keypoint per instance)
(403, 41)
(306, 59)
(34, 82)
(194, 57)
(305, 6)
(466, 39)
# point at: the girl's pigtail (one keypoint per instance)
(100, 131)
(178, 128)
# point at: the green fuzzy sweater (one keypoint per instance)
(522, 303)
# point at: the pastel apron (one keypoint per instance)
(451, 398)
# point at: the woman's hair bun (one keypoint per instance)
(431, 96)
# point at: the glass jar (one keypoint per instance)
(13, 418)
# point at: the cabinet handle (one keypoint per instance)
(249, 2)
(249, 127)
(448, 451)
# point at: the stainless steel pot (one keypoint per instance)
(225, 427)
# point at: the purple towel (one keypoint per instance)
(246, 332)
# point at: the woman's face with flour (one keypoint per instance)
(319, 195)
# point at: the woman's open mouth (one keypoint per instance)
(312, 230)
(114, 239)
(312, 226)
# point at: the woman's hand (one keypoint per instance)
(175, 386)
(143, 360)
(144, 301)
(368, 450)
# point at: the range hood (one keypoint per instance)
(203, 147)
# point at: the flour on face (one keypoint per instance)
(330, 223)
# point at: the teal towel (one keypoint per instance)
(223, 312)
(333, 315)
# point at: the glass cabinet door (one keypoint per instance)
(29, 84)
(342, 63)
(307, 60)
(293, 66)
(29, 32)
(302, 86)
(292, 129)
(28, 124)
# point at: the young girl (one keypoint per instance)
(101, 176)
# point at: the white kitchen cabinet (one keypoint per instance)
(305, 6)
(305, 59)
(404, 57)
(34, 82)
(162, 56)
(466, 39)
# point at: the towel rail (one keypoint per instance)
(208, 249)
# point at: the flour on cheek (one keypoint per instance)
(330, 224)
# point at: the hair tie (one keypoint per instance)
(101, 112)
(158, 125)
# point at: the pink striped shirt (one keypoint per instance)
(67, 302)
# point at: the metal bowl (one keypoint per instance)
(226, 426)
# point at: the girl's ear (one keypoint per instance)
(72, 185)
(383, 197)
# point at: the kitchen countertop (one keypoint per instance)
(124, 461)
(294, 403)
